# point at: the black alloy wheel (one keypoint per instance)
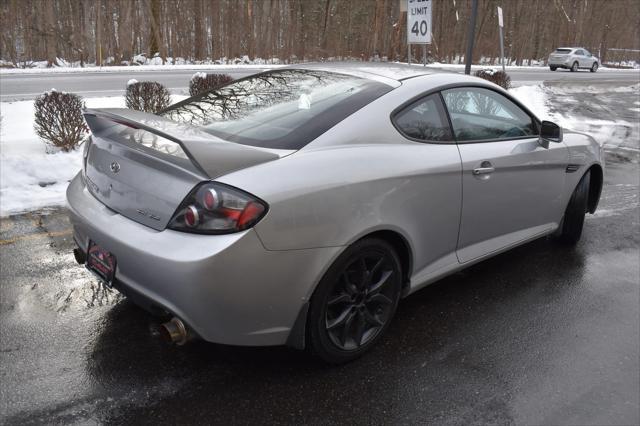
(355, 301)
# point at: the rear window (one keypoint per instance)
(283, 109)
(563, 51)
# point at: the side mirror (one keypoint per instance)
(550, 131)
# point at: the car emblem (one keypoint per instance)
(115, 167)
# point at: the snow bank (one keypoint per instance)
(141, 63)
(29, 177)
(613, 135)
(475, 67)
(141, 68)
(534, 98)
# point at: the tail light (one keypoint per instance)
(214, 208)
(85, 151)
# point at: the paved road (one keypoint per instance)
(28, 86)
(93, 84)
(541, 335)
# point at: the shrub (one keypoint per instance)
(201, 82)
(147, 96)
(498, 77)
(58, 119)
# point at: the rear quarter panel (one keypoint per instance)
(332, 197)
(359, 177)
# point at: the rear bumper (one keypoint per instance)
(227, 288)
(560, 63)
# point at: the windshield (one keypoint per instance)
(283, 109)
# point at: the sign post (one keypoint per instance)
(470, 37)
(418, 24)
(501, 25)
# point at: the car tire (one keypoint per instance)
(570, 229)
(553, 68)
(574, 67)
(594, 67)
(354, 302)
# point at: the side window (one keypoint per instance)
(424, 120)
(580, 52)
(481, 114)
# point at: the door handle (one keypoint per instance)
(483, 171)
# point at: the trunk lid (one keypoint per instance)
(143, 166)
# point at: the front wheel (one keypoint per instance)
(594, 67)
(553, 68)
(354, 302)
(574, 67)
(570, 229)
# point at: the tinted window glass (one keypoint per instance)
(283, 109)
(424, 120)
(563, 51)
(480, 114)
(580, 52)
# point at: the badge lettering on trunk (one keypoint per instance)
(147, 214)
(115, 167)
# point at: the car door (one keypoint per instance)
(434, 191)
(512, 184)
(582, 58)
(587, 59)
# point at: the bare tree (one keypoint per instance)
(95, 30)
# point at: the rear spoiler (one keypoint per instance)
(93, 116)
(209, 155)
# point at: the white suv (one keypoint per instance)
(573, 58)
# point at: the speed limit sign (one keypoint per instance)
(419, 21)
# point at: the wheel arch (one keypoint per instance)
(402, 248)
(297, 335)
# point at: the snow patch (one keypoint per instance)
(258, 64)
(610, 134)
(198, 75)
(534, 98)
(29, 177)
(131, 82)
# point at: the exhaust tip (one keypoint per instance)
(79, 255)
(174, 331)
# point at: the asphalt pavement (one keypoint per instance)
(15, 87)
(543, 334)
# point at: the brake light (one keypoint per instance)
(191, 217)
(210, 199)
(214, 208)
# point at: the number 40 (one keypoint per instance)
(419, 28)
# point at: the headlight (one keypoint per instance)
(215, 208)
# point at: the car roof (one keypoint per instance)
(382, 70)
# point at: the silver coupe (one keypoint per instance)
(297, 206)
